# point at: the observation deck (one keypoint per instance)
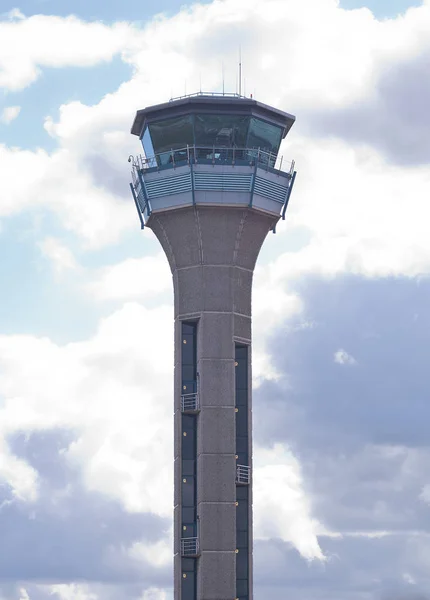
(211, 150)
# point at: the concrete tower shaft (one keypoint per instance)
(211, 186)
(212, 253)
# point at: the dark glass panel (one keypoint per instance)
(221, 131)
(188, 496)
(188, 387)
(190, 531)
(242, 493)
(264, 135)
(188, 564)
(242, 567)
(241, 352)
(241, 423)
(188, 445)
(242, 540)
(188, 467)
(241, 376)
(171, 134)
(189, 328)
(242, 516)
(242, 398)
(242, 458)
(242, 588)
(188, 350)
(188, 422)
(188, 588)
(241, 444)
(188, 373)
(188, 514)
(147, 144)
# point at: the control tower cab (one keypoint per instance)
(210, 150)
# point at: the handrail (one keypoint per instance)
(212, 154)
(211, 94)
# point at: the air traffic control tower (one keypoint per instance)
(211, 186)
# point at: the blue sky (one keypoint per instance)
(340, 298)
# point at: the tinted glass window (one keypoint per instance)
(147, 144)
(171, 134)
(188, 492)
(221, 131)
(264, 135)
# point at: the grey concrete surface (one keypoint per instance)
(212, 253)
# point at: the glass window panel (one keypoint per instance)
(188, 445)
(188, 350)
(242, 493)
(241, 423)
(189, 328)
(242, 458)
(242, 516)
(188, 587)
(171, 134)
(241, 398)
(241, 375)
(242, 444)
(189, 386)
(242, 540)
(188, 564)
(221, 131)
(264, 135)
(242, 566)
(188, 373)
(188, 467)
(188, 422)
(147, 143)
(190, 531)
(242, 588)
(188, 498)
(188, 514)
(241, 352)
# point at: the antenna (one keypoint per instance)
(223, 80)
(200, 82)
(240, 70)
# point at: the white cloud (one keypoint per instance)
(9, 114)
(61, 257)
(132, 279)
(29, 44)
(114, 390)
(341, 357)
(281, 506)
(72, 592)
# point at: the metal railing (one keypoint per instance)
(243, 474)
(211, 94)
(190, 402)
(215, 155)
(190, 546)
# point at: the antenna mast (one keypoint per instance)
(240, 70)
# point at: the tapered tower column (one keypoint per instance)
(211, 206)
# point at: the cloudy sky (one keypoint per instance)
(341, 298)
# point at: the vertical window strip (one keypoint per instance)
(189, 459)
(242, 491)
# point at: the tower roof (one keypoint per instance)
(232, 104)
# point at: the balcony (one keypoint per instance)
(243, 475)
(211, 176)
(190, 403)
(190, 547)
